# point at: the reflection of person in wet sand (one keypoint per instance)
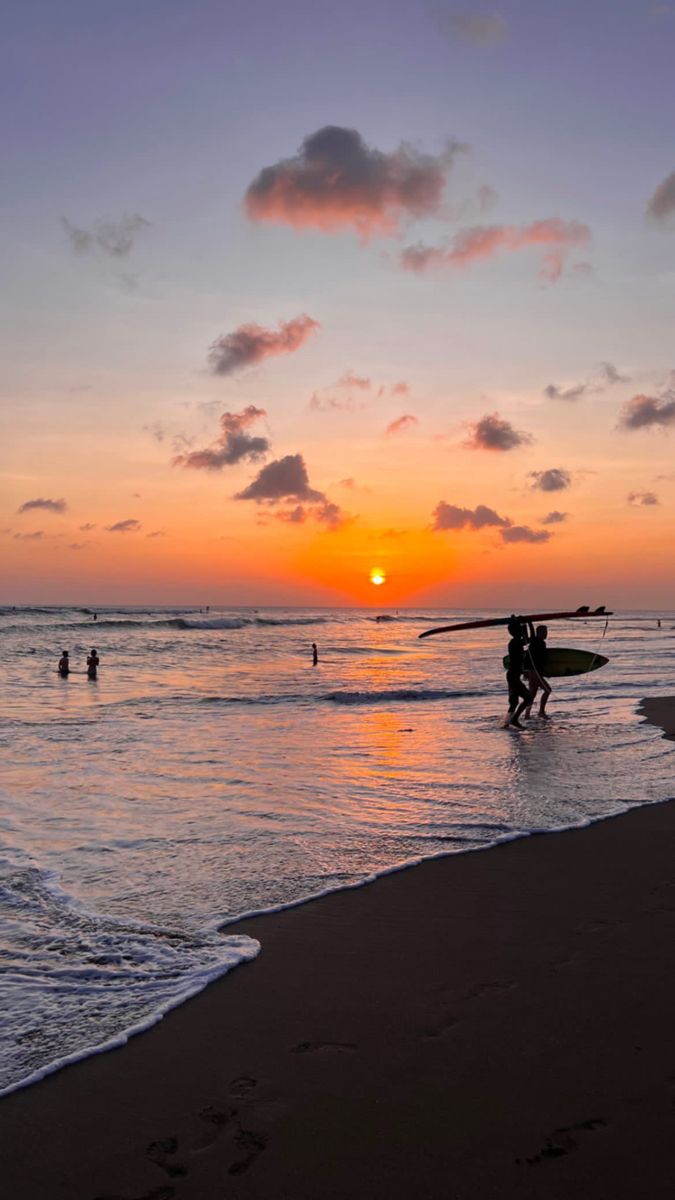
(92, 664)
(315, 654)
(535, 662)
(517, 690)
(64, 664)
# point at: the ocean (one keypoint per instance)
(211, 771)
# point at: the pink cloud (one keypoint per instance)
(250, 344)
(336, 181)
(402, 423)
(400, 389)
(350, 380)
(558, 238)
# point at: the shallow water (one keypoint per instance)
(211, 771)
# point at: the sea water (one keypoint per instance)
(212, 771)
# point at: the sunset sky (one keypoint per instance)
(297, 292)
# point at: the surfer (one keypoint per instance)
(315, 654)
(92, 664)
(64, 664)
(519, 696)
(535, 661)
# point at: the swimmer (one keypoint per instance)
(315, 654)
(92, 664)
(64, 665)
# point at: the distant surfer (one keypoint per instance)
(535, 663)
(519, 696)
(315, 654)
(96, 616)
(93, 661)
(64, 665)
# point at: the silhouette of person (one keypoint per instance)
(93, 661)
(519, 695)
(535, 665)
(96, 616)
(315, 654)
(64, 664)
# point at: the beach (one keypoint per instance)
(491, 1024)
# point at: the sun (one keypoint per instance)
(377, 577)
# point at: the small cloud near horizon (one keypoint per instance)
(53, 506)
(451, 516)
(336, 181)
(642, 499)
(250, 344)
(554, 518)
(493, 432)
(130, 525)
(608, 375)
(524, 533)
(37, 536)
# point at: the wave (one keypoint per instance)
(405, 695)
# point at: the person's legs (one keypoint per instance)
(532, 681)
(546, 690)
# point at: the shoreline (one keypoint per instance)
(483, 1024)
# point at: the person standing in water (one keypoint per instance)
(535, 664)
(519, 695)
(315, 654)
(64, 664)
(92, 664)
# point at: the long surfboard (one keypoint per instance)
(560, 662)
(584, 611)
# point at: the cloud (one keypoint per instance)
(29, 537)
(645, 499)
(449, 516)
(350, 380)
(87, 527)
(523, 533)
(53, 506)
(319, 403)
(662, 204)
(234, 444)
(250, 344)
(557, 239)
(492, 432)
(645, 412)
(482, 29)
(554, 480)
(156, 431)
(608, 375)
(402, 423)
(286, 480)
(400, 389)
(131, 525)
(76, 545)
(114, 238)
(336, 181)
(554, 518)
(156, 533)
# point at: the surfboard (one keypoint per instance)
(560, 662)
(490, 622)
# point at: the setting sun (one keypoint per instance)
(377, 576)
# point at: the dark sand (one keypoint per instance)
(490, 1025)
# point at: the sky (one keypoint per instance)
(298, 295)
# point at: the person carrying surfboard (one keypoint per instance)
(520, 696)
(535, 662)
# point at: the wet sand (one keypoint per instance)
(489, 1025)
